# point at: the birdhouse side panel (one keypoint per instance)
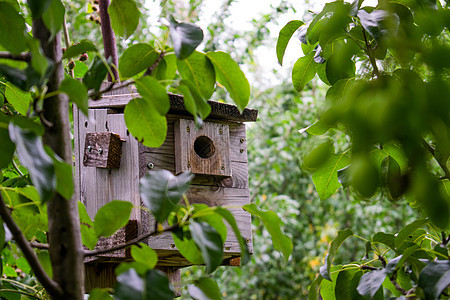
(210, 190)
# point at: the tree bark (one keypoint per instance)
(65, 248)
(109, 40)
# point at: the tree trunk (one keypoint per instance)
(64, 238)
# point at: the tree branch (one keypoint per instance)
(433, 153)
(369, 53)
(25, 56)
(51, 286)
(109, 40)
(130, 243)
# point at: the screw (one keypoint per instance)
(150, 165)
(220, 131)
(247, 240)
(172, 245)
(242, 150)
(89, 148)
(222, 167)
(188, 165)
(100, 151)
(188, 129)
(242, 140)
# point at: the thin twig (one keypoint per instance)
(67, 42)
(129, 243)
(433, 153)
(25, 56)
(113, 86)
(39, 245)
(49, 284)
(155, 64)
(371, 58)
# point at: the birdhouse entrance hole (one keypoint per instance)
(204, 147)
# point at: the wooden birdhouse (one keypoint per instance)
(109, 162)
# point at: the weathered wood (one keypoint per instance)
(102, 150)
(99, 275)
(174, 276)
(100, 186)
(202, 151)
(219, 110)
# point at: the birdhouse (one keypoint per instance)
(109, 162)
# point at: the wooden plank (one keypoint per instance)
(77, 151)
(219, 110)
(87, 176)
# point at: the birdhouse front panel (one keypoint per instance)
(216, 153)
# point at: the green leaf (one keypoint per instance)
(144, 255)
(145, 123)
(384, 238)
(314, 288)
(154, 93)
(317, 128)
(38, 7)
(124, 17)
(129, 286)
(187, 247)
(157, 286)
(8, 146)
(335, 244)
(230, 75)
(79, 48)
(209, 242)
(408, 230)
(19, 99)
(88, 234)
(33, 156)
(12, 29)
(137, 58)
(77, 93)
(80, 69)
(96, 74)
(53, 17)
(63, 172)
(284, 36)
(327, 288)
(325, 179)
(195, 104)
(198, 70)
(161, 191)
(44, 259)
(185, 37)
(204, 288)
(228, 216)
(272, 223)
(166, 69)
(346, 284)
(304, 71)
(318, 156)
(38, 60)
(375, 22)
(100, 294)
(339, 67)
(371, 282)
(111, 217)
(125, 266)
(435, 278)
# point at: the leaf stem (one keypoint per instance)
(20, 292)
